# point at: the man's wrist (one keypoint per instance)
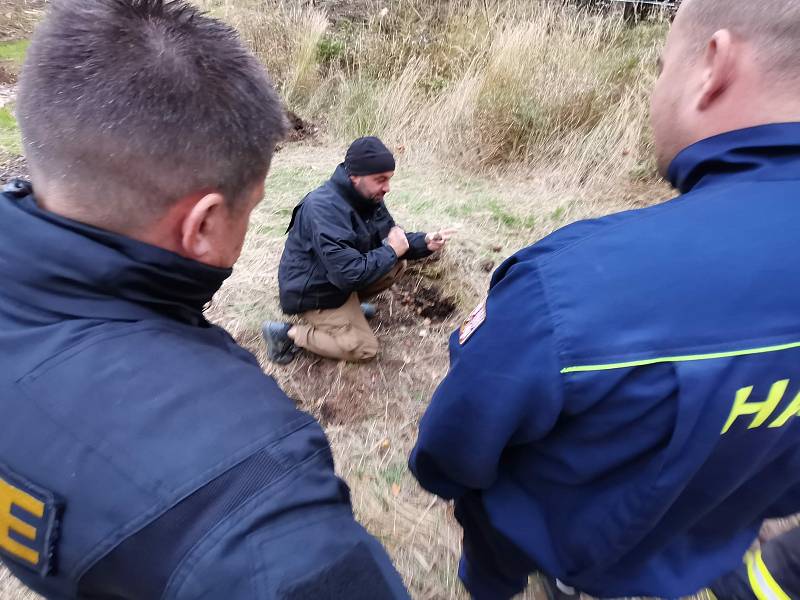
(392, 248)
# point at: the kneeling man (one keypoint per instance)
(343, 247)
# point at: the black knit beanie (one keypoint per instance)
(367, 156)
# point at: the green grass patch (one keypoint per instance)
(558, 214)
(411, 198)
(287, 180)
(461, 210)
(13, 52)
(329, 50)
(502, 215)
(10, 142)
(393, 474)
(270, 230)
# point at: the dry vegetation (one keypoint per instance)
(473, 83)
(17, 17)
(510, 118)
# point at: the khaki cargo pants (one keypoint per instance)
(343, 333)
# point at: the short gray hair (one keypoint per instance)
(125, 106)
(773, 25)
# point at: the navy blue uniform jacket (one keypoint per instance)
(628, 411)
(143, 453)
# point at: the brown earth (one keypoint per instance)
(7, 77)
(414, 299)
(299, 129)
(13, 168)
(18, 17)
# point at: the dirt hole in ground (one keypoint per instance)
(418, 300)
(299, 129)
(415, 299)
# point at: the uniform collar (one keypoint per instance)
(757, 153)
(70, 269)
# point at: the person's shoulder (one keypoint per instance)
(323, 193)
(148, 412)
(586, 232)
(166, 360)
(577, 253)
(325, 200)
(149, 388)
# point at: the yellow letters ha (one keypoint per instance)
(793, 410)
(762, 410)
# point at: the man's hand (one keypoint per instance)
(437, 239)
(398, 241)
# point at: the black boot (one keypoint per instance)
(280, 347)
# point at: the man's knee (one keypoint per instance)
(357, 345)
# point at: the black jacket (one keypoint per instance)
(335, 247)
(161, 460)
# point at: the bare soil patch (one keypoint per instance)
(7, 77)
(415, 299)
(14, 168)
(299, 129)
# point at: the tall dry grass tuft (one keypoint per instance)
(304, 77)
(286, 36)
(537, 84)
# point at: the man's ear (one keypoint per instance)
(200, 226)
(719, 68)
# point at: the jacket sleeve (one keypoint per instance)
(503, 389)
(305, 549)
(417, 246)
(277, 525)
(334, 242)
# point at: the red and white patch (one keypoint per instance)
(472, 323)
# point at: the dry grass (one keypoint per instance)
(476, 84)
(18, 17)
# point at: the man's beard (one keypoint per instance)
(376, 198)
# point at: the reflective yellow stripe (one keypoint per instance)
(770, 580)
(761, 580)
(755, 584)
(688, 358)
